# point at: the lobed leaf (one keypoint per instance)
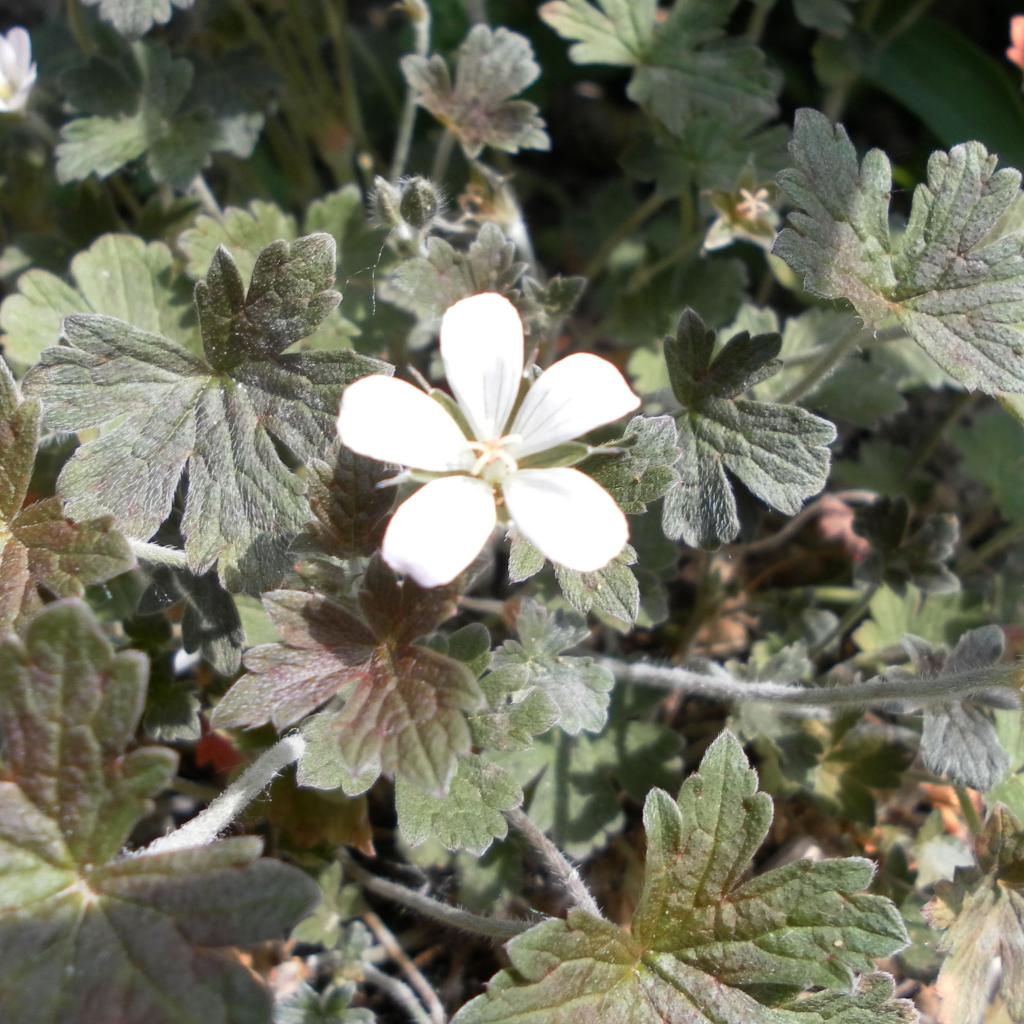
(492, 66)
(405, 705)
(703, 942)
(956, 291)
(217, 420)
(779, 452)
(125, 929)
(39, 546)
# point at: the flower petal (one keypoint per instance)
(437, 532)
(569, 399)
(21, 48)
(390, 420)
(482, 350)
(570, 518)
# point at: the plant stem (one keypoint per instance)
(1005, 538)
(442, 156)
(423, 987)
(207, 200)
(974, 822)
(156, 554)
(452, 917)
(852, 615)
(419, 15)
(758, 19)
(556, 862)
(399, 992)
(206, 826)
(650, 206)
(719, 685)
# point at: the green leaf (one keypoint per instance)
(210, 622)
(900, 557)
(119, 276)
(981, 916)
(218, 420)
(643, 471)
(938, 618)
(306, 1006)
(133, 931)
(39, 546)
(701, 940)
(959, 738)
(141, 102)
(137, 17)
(245, 233)
(612, 591)
(993, 453)
(955, 292)
(683, 63)
(779, 452)
(350, 509)
(468, 817)
(577, 688)
(491, 68)
(405, 705)
(427, 285)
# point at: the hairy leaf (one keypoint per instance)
(981, 916)
(955, 292)
(427, 285)
(216, 418)
(576, 687)
(140, 102)
(779, 452)
(612, 591)
(39, 546)
(133, 932)
(137, 17)
(492, 66)
(682, 63)
(643, 471)
(468, 817)
(701, 940)
(118, 275)
(833, 17)
(405, 705)
(959, 738)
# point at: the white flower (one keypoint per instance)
(564, 513)
(17, 72)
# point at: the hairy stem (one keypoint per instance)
(416, 979)
(452, 917)
(206, 826)
(555, 861)
(207, 200)
(419, 15)
(719, 685)
(157, 554)
(398, 992)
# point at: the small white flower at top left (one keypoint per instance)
(17, 72)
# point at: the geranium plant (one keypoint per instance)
(511, 513)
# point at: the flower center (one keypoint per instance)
(493, 462)
(6, 88)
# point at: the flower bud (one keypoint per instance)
(420, 202)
